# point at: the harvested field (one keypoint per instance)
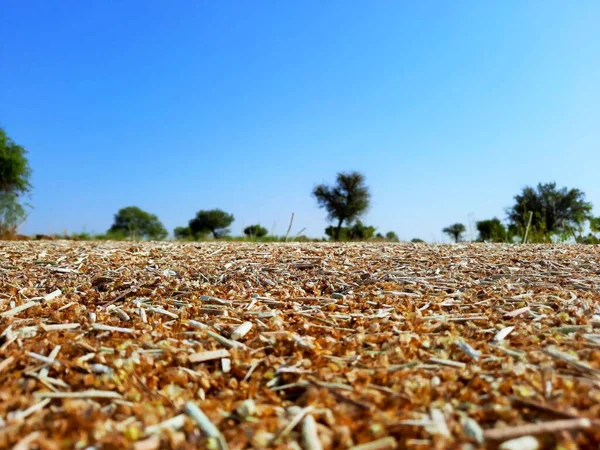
(229, 345)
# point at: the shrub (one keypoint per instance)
(255, 231)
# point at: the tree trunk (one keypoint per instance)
(338, 229)
(215, 234)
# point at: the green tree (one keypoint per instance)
(360, 231)
(336, 234)
(417, 241)
(556, 212)
(491, 230)
(357, 232)
(346, 201)
(591, 238)
(455, 231)
(14, 183)
(595, 224)
(214, 221)
(137, 223)
(392, 237)
(183, 234)
(255, 231)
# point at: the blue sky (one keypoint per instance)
(448, 108)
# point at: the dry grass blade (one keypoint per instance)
(501, 434)
(204, 423)
(61, 326)
(241, 331)
(6, 363)
(19, 309)
(208, 356)
(102, 327)
(503, 333)
(82, 394)
(174, 423)
(300, 414)
(387, 443)
(310, 438)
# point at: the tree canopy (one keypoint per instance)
(183, 233)
(137, 223)
(255, 231)
(14, 182)
(214, 221)
(555, 211)
(492, 230)
(595, 224)
(346, 201)
(392, 236)
(455, 231)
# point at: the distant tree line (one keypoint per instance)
(540, 214)
(544, 213)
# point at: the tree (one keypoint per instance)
(455, 231)
(214, 221)
(417, 241)
(255, 231)
(12, 213)
(357, 232)
(183, 233)
(332, 232)
(595, 224)
(344, 202)
(392, 237)
(591, 238)
(14, 182)
(360, 231)
(137, 223)
(491, 230)
(556, 212)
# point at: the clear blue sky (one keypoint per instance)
(448, 107)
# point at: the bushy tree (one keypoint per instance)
(591, 238)
(345, 202)
(595, 224)
(255, 231)
(392, 237)
(14, 183)
(357, 232)
(556, 212)
(492, 230)
(183, 233)
(337, 235)
(137, 223)
(12, 213)
(455, 231)
(417, 241)
(214, 221)
(360, 231)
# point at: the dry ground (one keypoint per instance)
(116, 345)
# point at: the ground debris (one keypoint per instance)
(318, 345)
